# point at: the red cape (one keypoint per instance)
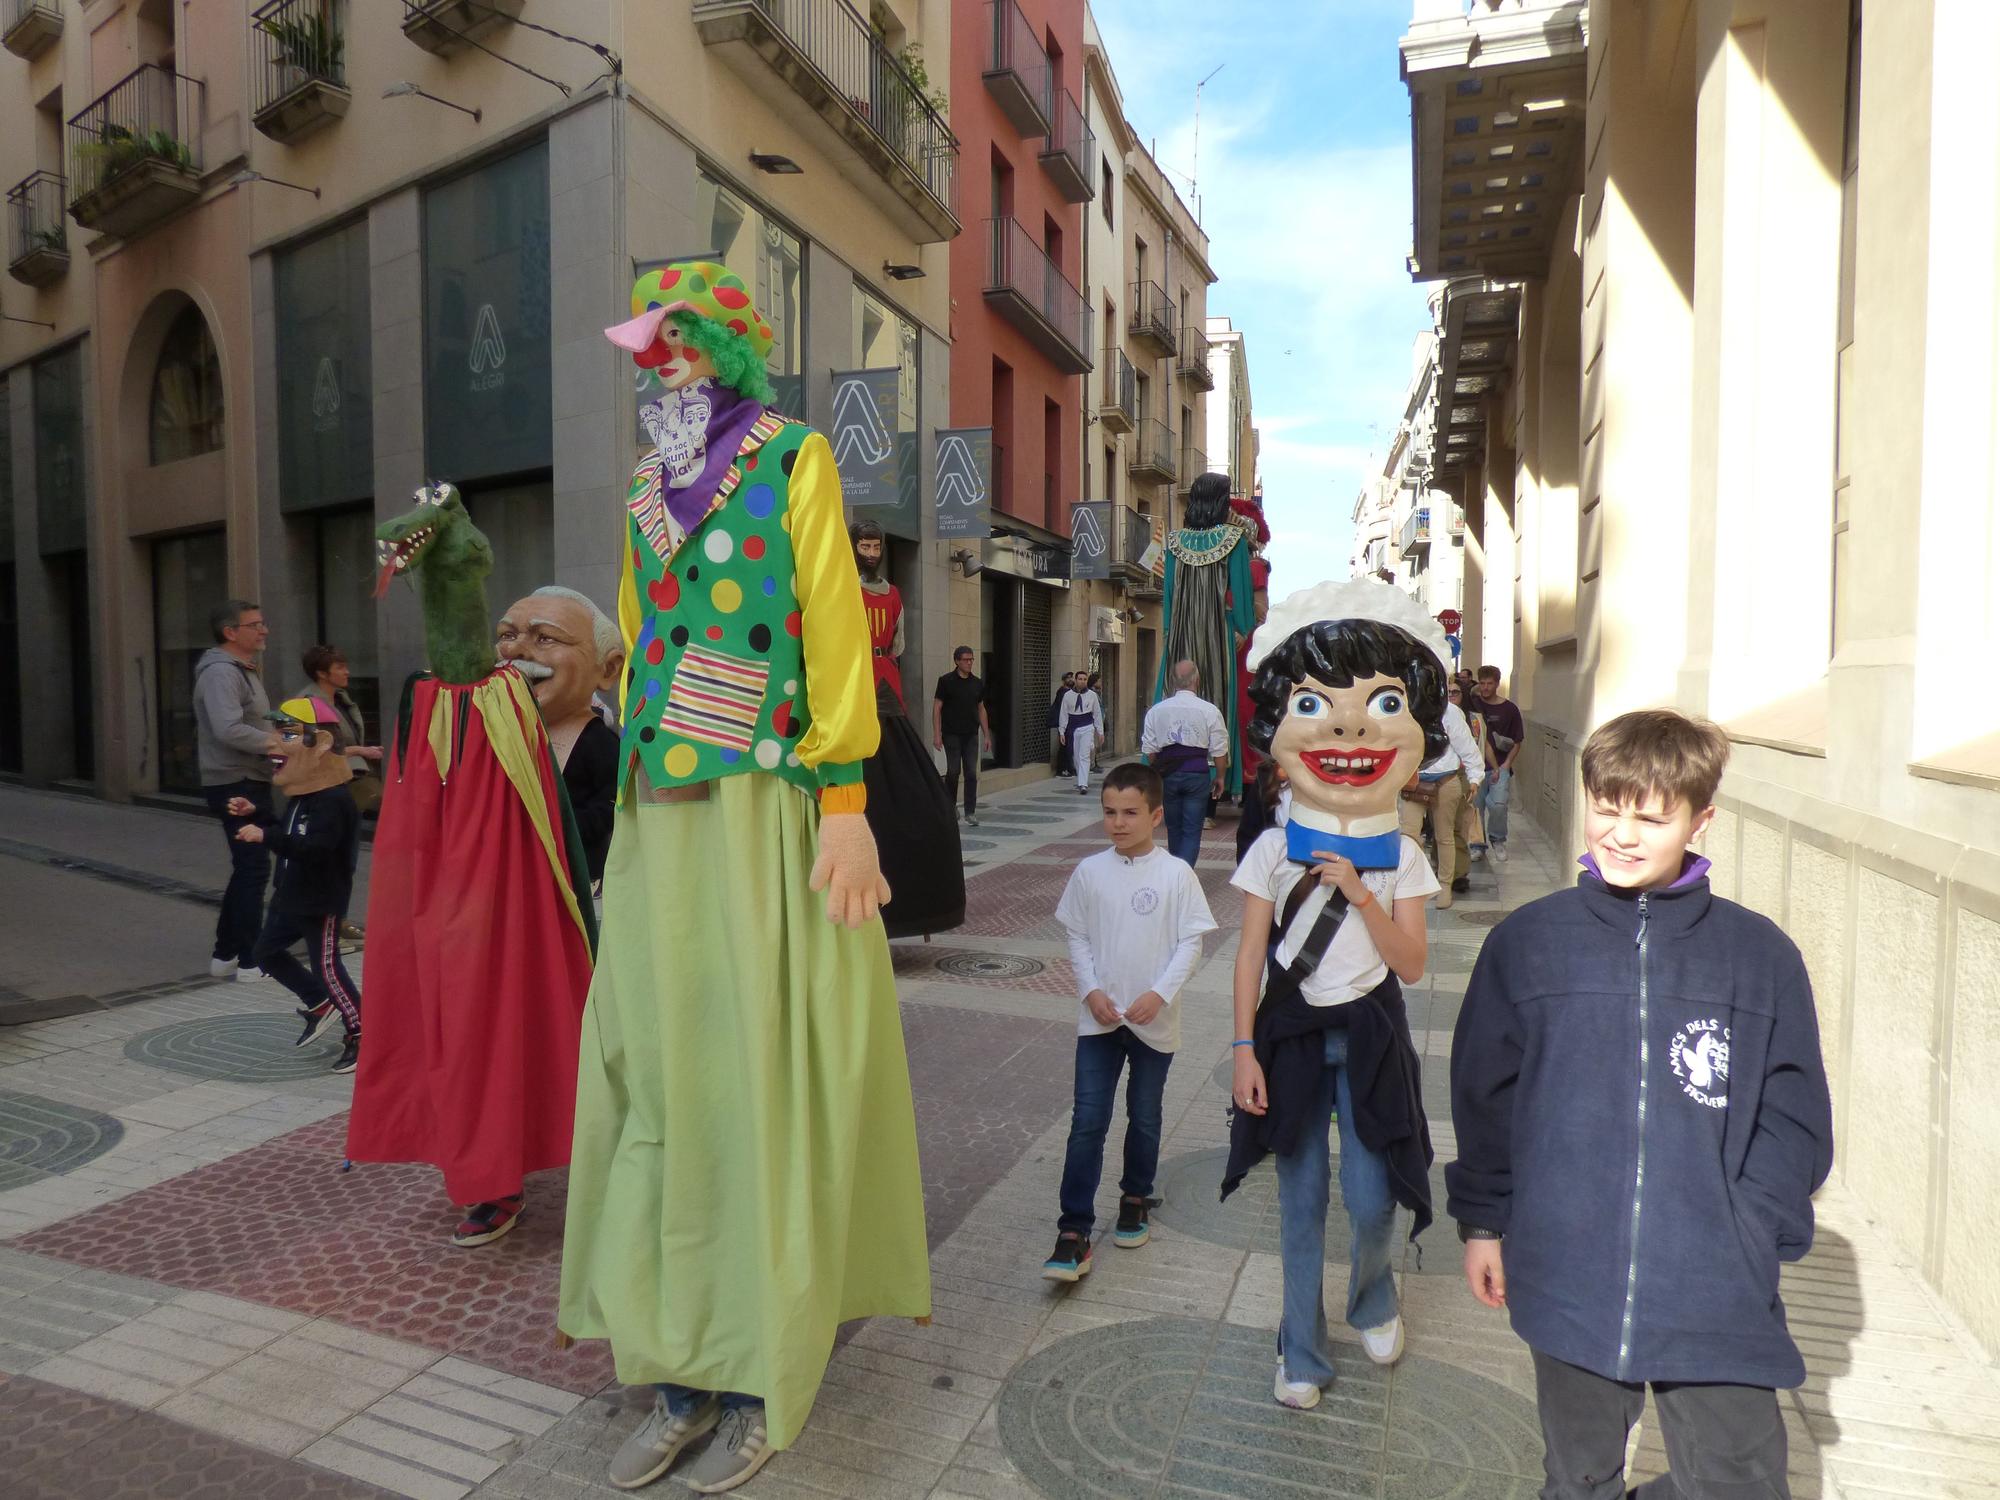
(477, 965)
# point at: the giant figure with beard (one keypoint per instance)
(744, 1177)
(1208, 604)
(908, 808)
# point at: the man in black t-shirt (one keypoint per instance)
(1504, 733)
(959, 725)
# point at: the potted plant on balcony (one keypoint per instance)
(118, 149)
(309, 47)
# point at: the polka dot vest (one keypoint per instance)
(718, 670)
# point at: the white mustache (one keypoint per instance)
(534, 671)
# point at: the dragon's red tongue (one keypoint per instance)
(385, 578)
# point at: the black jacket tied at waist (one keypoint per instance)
(1384, 1078)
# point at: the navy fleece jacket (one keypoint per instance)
(1642, 1112)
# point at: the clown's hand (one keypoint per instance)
(847, 870)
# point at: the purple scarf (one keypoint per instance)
(730, 418)
(1693, 867)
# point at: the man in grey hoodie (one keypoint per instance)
(233, 742)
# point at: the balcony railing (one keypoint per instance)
(446, 26)
(37, 235)
(1152, 451)
(1069, 155)
(1416, 536)
(1017, 71)
(301, 71)
(1153, 316)
(28, 27)
(1193, 464)
(1129, 564)
(135, 151)
(1119, 408)
(1029, 289)
(1194, 358)
(890, 138)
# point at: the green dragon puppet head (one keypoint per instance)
(451, 557)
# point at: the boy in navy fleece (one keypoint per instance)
(1642, 1120)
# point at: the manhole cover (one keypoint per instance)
(1003, 831)
(1172, 1407)
(1190, 1186)
(989, 966)
(42, 1138)
(1483, 918)
(243, 1049)
(1018, 815)
(966, 843)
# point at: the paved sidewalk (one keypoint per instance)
(193, 1292)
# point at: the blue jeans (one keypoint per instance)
(683, 1399)
(1098, 1062)
(242, 914)
(1186, 805)
(1371, 1221)
(1493, 794)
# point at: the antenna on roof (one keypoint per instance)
(1194, 176)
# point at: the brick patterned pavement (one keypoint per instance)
(208, 1305)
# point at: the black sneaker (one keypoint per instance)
(1462, 884)
(314, 1019)
(1134, 1222)
(1071, 1258)
(350, 1055)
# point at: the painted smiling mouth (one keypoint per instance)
(1349, 767)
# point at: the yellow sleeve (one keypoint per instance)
(840, 680)
(629, 618)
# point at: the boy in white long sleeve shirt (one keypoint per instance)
(1451, 780)
(1135, 917)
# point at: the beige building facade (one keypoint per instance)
(1146, 412)
(273, 267)
(1719, 375)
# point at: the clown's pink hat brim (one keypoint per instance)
(638, 334)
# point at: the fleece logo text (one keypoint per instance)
(1700, 1053)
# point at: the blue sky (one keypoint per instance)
(1305, 195)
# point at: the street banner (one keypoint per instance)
(964, 481)
(864, 435)
(1090, 539)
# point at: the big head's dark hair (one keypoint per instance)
(1208, 501)
(1337, 652)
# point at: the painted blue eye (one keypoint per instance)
(1308, 705)
(1386, 704)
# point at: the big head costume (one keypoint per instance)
(1208, 603)
(479, 916)
(745, 1175)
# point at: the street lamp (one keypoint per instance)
(245, 177)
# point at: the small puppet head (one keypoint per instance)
(1349, 695)
(565, 646)
(303, 758)
(868, 544)
(693, 319)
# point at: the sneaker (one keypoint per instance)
(649, 1452)
(1462, 884)
(248, 974)
(1499, 853)
(1384, 1344)
(314, 1019)
(972, 820)
(222, 968)
(351, 933)
(350, 1055)
(486, 1222)
(1070, 1260)
(1134, 1226)
(1299, 1395)
(737, 1451)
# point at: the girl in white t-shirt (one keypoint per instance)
(1348, 708)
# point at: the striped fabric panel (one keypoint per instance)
(649, 507)
(715, 699)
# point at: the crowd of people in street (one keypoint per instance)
(1730, 1128)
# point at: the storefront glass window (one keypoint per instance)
(519, 520)
(190, 577)
(326, 417)
(186, 409)
(60, 524)
(770, 258)
(487, 341)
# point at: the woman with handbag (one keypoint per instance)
(327, 673)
